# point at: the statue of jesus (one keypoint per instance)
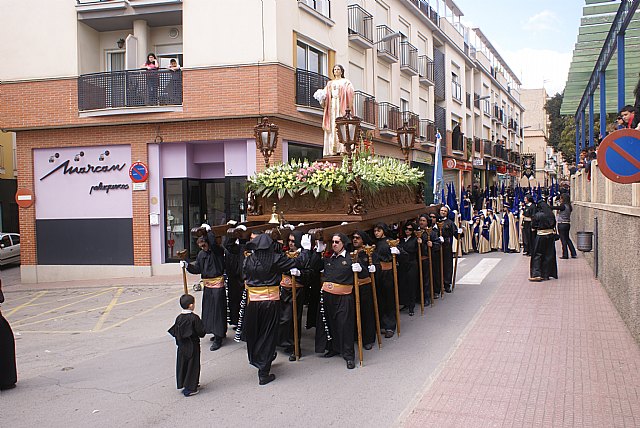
(339, 98)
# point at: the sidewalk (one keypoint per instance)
(547, 354)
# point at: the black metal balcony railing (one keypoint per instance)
(131, 88)
(476, 144)
(360, 22)
(468, 100)
(307, 83)
(364, 106)
(411, 118)
(389, 47)
(425, 67)
(456, 90)
(389, 116)
(487, 148)
(457, 143)
(427, 130)
(408, 56)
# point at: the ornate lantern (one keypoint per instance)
(266, 138)
(406, 139)
(348, 133)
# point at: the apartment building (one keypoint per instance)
(90, 121)
(536, 133)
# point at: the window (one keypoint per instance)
(15, 239)
(404, 105)
(6, 242)
(311, 59)
(115, 60)
(456, 88)
(320, 6)
(301, 152)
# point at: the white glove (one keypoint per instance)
(441, 239)
(356, 267)
(183, 264)
(295, 272)
(306, 241)
(320, 247)
(435, 226)
(459, 231)
(206, 227)
(230, 223)
(502, 221)
(372, 269)
(394, 250)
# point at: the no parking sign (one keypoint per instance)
(139, 172)
(619, 156)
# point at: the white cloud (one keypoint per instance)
(540, 67)
(541, 22)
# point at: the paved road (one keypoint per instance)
(101, 356)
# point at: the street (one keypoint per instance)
(101, 356)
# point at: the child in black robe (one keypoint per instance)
(8, 372)
(188, 329)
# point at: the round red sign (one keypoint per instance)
(25, 198)
(138, 172)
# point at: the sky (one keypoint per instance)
(535, 37)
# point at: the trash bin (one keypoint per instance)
(585, 241)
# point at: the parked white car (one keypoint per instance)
(9, 248)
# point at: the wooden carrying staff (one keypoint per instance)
(394, 243)
(455, 266)
(419, 235)
(294, 297)
(430, 267)
(369, 249)
(356, 284)
(440, 224)
(182, 254)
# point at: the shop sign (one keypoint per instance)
(502, 169)
(83, 182)
(491, 167)
(422, 157)
(450, 163)
(478, 162)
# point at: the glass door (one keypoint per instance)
(215, 203)
(174, 218)
(195, 217)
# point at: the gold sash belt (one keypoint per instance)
(263, 294)
(217, 282)
(335, 288)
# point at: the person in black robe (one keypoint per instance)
(384, 280)
(187, 330)
(233, 258)
(335, 328)
(429, 240)
(543, 257)
(263, 273)
(302, 276)
(8, 371)
(447, 232)
(367, 316)
(527, 216)
(408, 278)
(210, 265)
(436, 244)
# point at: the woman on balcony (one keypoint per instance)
(152, 66)
(339, 98)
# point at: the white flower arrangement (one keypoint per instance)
(320, 95)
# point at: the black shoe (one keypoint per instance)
(5, 387)
(330, 354)
(564, 258)
(275, 354)
(217, 344)
(350, 364)
(292, 357)
(574, 257)
(266, 379)
(212, 338)
(388, 334)
(188, 393)
(368, 346)
(404, 308)
(437, 296)
(411, 313)
(447, 290)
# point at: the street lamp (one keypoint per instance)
(266, 138)
(484, 97)
(348, 132)
(406, 139)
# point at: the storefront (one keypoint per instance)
(424, 161)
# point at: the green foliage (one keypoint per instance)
(567, 143)
(322, 178)
(558, 123)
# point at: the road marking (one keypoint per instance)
(119, 323)
(24, 305)
(18, 323)
(108, 309)
(476, 275)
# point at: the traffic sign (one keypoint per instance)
(139, 172)
(24, 198)
(619, 156)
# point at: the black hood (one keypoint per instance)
(260, 242)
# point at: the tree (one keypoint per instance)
(557, 122)
(567, 143)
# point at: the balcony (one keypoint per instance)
(411, 118)
(456, 91)
(425, 70)
(487, 148)
(457, 143)
(439, 75)
(307, 83)
(387, 50)
(134, 88)
(389, 118)
(477, 143)
(360, 26)
(113, 15)
(408, 58)
(364, 106)
(496, 113)
(427, 131)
